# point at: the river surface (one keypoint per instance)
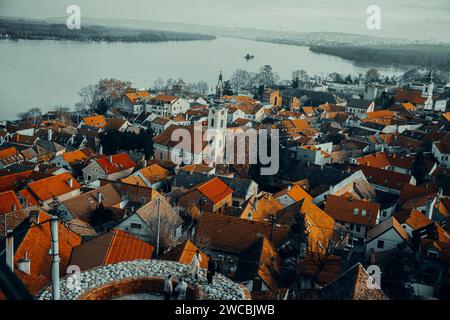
(44, 73)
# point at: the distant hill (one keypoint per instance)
(43, 30)
(286, 37)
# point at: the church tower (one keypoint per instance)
(427, 91)
(220, 89)
(428, 86)
(217, 117)
(217, 129)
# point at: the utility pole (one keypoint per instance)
(158, 207)
(55, 248)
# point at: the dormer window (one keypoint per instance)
(363, 212)
(355, 211)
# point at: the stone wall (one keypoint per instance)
(141, 276)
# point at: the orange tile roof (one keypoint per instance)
(57, 185)
(344, 209)
(380, 114)
(378, 160)
(183, 253)
(132, 96)
(215, 190)
(8, 153)
(116, 163)
(446, 116)
(240, 99)
(155, 173)
(109, 248)
(9, 202)
(125, 247)
(413, 218)
(95, 121)
(266, 206)
(296, 192)
(36, 243)
(320, 224)
(134, 180)
(77, 156)
(408, 106)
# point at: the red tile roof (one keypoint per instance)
(116, 163)
(413, 96)
(215, 190)
(9, 202)
(231, 234)
(164, 98)
(378, 160)
(352, 210)
(390, 179)
(36, 242)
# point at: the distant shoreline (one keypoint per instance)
(31, 30)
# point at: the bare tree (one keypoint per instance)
(169, 221)
(87, 95)
(243, 80)
(159, 84)
(267, 77)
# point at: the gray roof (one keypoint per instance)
(316, 97)
(359, 104)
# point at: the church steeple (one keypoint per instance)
(220, 88)
(427, 91)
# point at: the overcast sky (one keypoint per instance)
(415, 19)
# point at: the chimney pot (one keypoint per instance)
(10, 250)
(24, 264)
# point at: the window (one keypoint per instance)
(384, 213)
(212, 122)
(358, 228)
(136, 226)
(221, 123)
(355, 211)
(380, 244)
(363, 212)
(89, 177)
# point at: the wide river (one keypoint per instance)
(45, 73)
